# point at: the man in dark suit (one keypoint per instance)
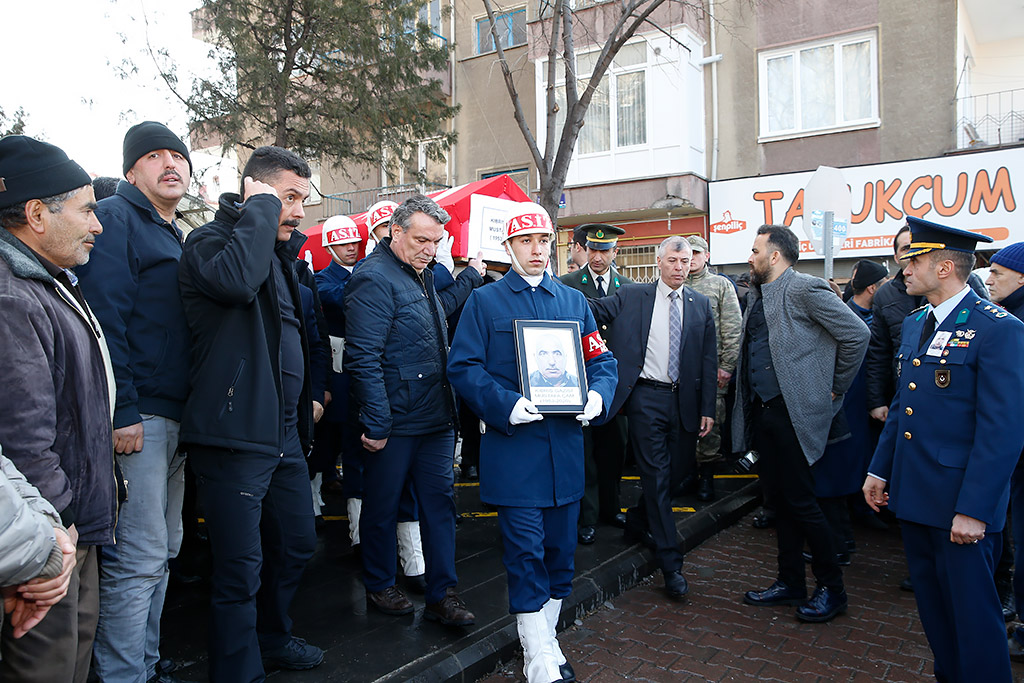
(947, 452)
(604, 446)
(667, 384)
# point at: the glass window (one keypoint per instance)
(821, 86)
(511, 29)
(617, 115)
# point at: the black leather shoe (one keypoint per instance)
(1009, 605)
(851, 546)
(907, 585)
(763, 519)
(391, 600)
(823, 606)
(451, 611)
(687, 487)
(706, 483)
(587, 535)
(675, 584)
(472, 473)
(776, 594)
(618, 520)
(568, 675)
(295, 655)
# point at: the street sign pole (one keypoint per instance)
(828, 244)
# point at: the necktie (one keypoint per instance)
(600, 285)
(927, 330)
(675, 334)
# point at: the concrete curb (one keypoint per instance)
(479, 654)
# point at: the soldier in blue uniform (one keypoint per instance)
(947, 452)
(531, 465)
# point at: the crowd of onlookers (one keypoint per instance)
(128, 347)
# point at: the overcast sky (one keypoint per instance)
(58, 60)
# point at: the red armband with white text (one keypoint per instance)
(593, 345)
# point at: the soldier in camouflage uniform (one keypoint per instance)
(725, 306)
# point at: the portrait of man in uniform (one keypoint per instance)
(551, 364)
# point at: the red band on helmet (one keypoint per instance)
(593, 345)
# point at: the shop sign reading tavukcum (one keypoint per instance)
(971, 191)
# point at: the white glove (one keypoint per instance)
(524, 411)
(593, 408)
(443, 255)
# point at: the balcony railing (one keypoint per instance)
(988, 120)
(357, 201)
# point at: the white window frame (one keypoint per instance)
(611, 74)
(793, 51)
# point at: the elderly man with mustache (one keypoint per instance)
(131, 282)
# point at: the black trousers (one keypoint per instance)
(604, 450)
(665, 454)
(789, 488)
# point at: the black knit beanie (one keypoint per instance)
(145, 137)
(32, 169)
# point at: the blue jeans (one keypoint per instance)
(259, 515)
(133, 572)
(428, 462)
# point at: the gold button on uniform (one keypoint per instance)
(906, 435)
(912, 386)
(910, 411)
(917, 361)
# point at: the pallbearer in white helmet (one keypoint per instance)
(340, 237)
(531, 464)
(378, 220)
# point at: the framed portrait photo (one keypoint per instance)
(551, 370)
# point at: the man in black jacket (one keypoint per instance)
(248, 420)
(396, 352)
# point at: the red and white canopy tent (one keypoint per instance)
(456, 201)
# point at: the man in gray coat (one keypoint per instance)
(800, 349)
(36, 552)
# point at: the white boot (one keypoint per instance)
(552, 609)
(355, 506)
(410, 549)
(538, 657)
(314, 485)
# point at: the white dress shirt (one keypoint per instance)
(656, 356)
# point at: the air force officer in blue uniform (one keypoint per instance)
(531, 465)
(947, 451)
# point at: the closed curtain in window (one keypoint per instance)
(857, 81)
(818, 87)
(596, 133)
(631, 93)
(780, 94)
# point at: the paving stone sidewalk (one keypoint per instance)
(642, 636)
